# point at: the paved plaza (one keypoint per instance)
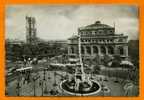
(52, 82)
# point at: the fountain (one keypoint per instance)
(80, 83)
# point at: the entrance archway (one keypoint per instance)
(88, 49)
(103, 50)
(72, 50)
(82, 49)
(110, 50)
(95, 50)
(121, 50)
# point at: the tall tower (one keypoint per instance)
(31, 30)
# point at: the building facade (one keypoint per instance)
(99, 39)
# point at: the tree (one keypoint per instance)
(96, 69)
(116, 61)
(133, 47)
(97, 60)
(107, 59)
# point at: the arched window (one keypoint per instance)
(121, 50)
(103, 50)
(82, 50)
(95, 49)
(72, 49)
(110, 50)
(88, 49)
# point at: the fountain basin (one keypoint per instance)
(84, 88)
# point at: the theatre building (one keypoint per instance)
(99, 39)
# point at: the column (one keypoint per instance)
(106, 48)
(75, 50)
(85, 51)
(126, 50)
(92, 53)
(116, 50)
(99, 50)
(69, 50)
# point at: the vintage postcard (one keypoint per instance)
(72, 50)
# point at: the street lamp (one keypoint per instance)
(54, 91)
(18, 85)
(44, 80)
(103, 94)
(55, 83)
(106, 74)
(34, 80)
(18, 88)
(49, 76)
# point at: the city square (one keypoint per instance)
(95, 61)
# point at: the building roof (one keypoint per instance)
(73, 37)
(96, 25)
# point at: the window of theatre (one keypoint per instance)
(121, 50)
(72, 49)
(93, 32)
(82, 49)
(93, 41)
(82, 33)
(103, 50)
(100, 31)
(85, 32)
(88, 49)
(110, 50)
(100, 41)
(120, 40)
(96, 41)
(90, 33)
(82, 40)
(105, 40)
(110, 32)
(95, 49)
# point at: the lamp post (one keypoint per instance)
(18, 89)
(18, 85)
(42, 88)
(103, 94)
(55, 83)
(49, 76)
(34, 85)
(54, 91)
(44, 79)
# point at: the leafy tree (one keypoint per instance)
(97, 60)
(133, 47)
(107, 59)
(116, 61)
(96, 69)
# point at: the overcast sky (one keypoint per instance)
(62, 21)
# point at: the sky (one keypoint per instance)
(57, 22)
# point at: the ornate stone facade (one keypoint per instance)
(99, 39)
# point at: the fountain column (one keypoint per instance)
(80, 58)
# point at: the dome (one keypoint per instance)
(96, 25)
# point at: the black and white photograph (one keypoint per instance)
(72, 50)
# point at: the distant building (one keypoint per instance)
(31, 35)
(14, 42)
(99, 39)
